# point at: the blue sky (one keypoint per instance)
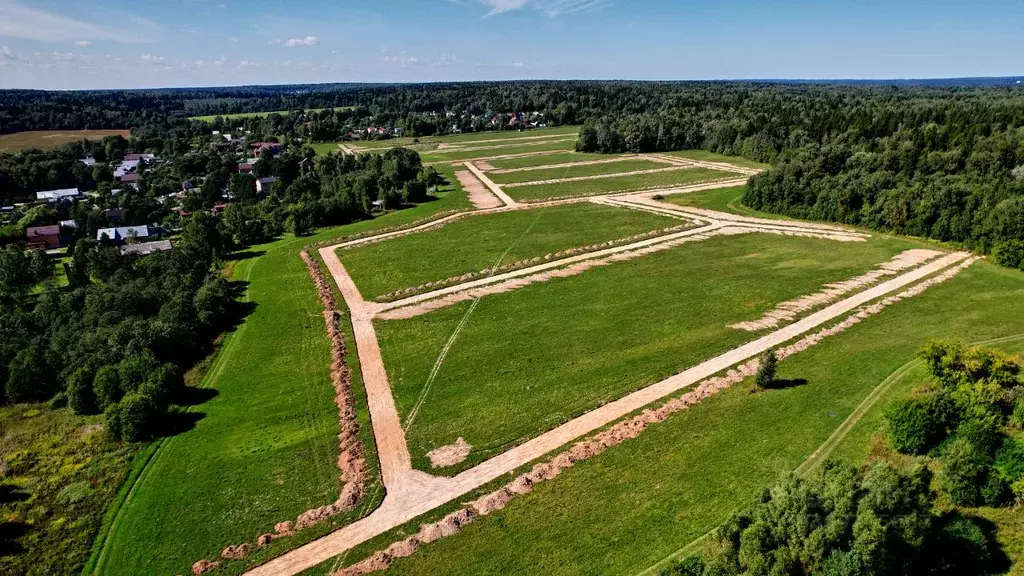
(65, 44)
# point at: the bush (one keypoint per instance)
(135, 369)
(964, 470)
(79, 391)
(692, 566)
(997, 491)
(983, 433)
(112, 419)
(28, 377)
(768, 369)
(106, 387)
(161, 384)
(1009, 460)
(1017, 419)
(963, 546)
(1010, 253)
(841, 563)
(138, 414)
(1018, 491)
(915, 424)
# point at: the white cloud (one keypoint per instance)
(518, 65)
(83, 43)
(151, 59)
(248, 64)
(33, 24)
(445, 59)
(550, 8)
(307, 41)
(402, 58)
(232, 39)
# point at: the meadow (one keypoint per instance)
(479, 242)
(264, 446)
(558, 349)
(549, 159)
(48, 139)
(680, 177)
(469, 138)
(705, 156)
(640, 503)
(626, 165)
(511, 147)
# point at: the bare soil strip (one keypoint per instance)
(485, 165)
(479, 195)
(574, 164)
(646, 200)
(787, 311)
(490, 184)
(595, 177)
(407, 500)
(507, 144)
(507, 141)
(501, 157)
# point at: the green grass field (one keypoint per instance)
(266, 446)
(555, 350)
(578, 171)
(480, 242)
(705, 156)
(512, 147)
(608, 185)
(243, 115)
(48, 139)
(549, 159)
(628, 509)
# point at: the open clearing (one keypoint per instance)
(577, 170)
(549, 159)
(615, 184)
(475, 244)
(579, 342)
(705, 156)
(266, 446)
(47, 139)
(471, 138)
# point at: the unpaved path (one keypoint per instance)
(474, 148)
(596, 177)
(452, 145)
(346, 149)
(706, 164)
(479, 195)
(580, 163)
(490, 184)
(422, 493)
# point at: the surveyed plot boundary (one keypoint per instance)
(411, 492)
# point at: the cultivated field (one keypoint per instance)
(556, 381)
(47, 139)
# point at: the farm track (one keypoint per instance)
(479, 195)
(411, 493)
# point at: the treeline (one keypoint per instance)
(885, 518)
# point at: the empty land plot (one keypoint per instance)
(475, 137)
(469, 153)
(657, 493)
(679, 177)
(628, 165)
(549, 159)
(705, 156)
(265, 447)
(555, 350)
(479, 242)
(47, 139)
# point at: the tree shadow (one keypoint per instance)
(10, 493)
(10, 532)
(957, 549)
(782, 384)
(179, 422)
(193, 396)
(244, 255)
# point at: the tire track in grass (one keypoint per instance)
(458, 329)
(828, 445)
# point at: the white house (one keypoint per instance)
(122, 233)
(58, 195)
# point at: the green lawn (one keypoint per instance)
(512, 147)
(266, 446)
(631, 507)
(623, 183)
(577, 171)
(212, 117)
(549, 159)
(479, 242)
(705, 156)
(555, 350)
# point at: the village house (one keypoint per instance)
(44, 237)
(64, 194)
(145, 248)
(263, 184)
(121, 234)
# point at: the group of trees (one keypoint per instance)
(961, 419)
(847, 522)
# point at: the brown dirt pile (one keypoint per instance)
(625, 430)
(449, 455)
(204, 566)
(236, 552)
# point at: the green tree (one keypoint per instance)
(79, 389)
(29, 378)
(964, 470)
(767, 370)
(106, 386)
(915, 424)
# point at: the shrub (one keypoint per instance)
(997, 491)
(79, 391)
(161, 384)
(963, 546)
(138, 414)
(915, 425)
(1017, 419)
(1010, 253)
(964, 470)
(841, 563)
(28, 377)
(983, 433)
(1018, 490)
(106, 387)
(112, 419)
(692, 566)
(1009, 460)
(767, 370)
(134, 370)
